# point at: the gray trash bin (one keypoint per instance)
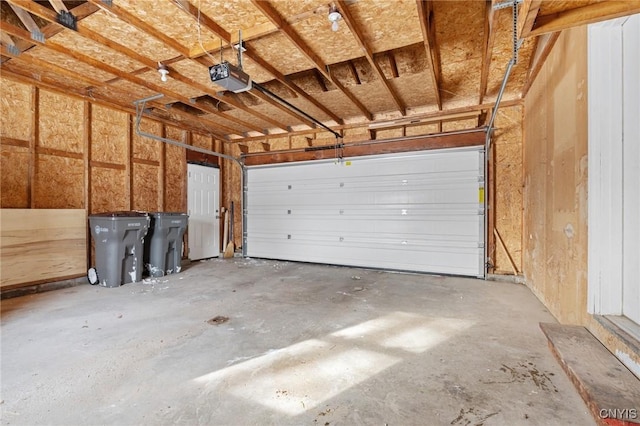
(119, 244)
(163, 244)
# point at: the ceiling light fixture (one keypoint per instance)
(163, 70)
(334, 17)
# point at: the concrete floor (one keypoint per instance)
(303, 344)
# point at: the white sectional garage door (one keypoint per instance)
(420, 211)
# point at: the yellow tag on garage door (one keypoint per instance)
(481, 195)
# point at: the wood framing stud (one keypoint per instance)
(594, 12)
(489, 37)
(357, 33)
(425, 14)
(272, 14)
(527, 16)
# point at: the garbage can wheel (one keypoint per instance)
(92, 276)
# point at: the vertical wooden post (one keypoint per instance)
(163, 171)
(86, 141)
(33, 143)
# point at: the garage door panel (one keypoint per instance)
(417, 211)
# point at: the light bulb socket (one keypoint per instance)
(163, 73)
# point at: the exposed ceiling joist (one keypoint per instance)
(58, 5)
(25, 18)
(357, 33)
(489, 38)
(425, 14)
(290, 33)
(208, 23)
(592, 13)
(48, 15)
(527, 16)
(18, 32)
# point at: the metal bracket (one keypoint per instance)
(66, 19)
(37, 36)
(13, 50)
(506, 4)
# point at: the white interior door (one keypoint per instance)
(420, 211)
(203, 200)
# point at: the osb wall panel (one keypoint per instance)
(507, 143)
(449, 126)
(145, 188)
(145, 148)
(59, 183)
(108, 190)
(389, 133)
(202, 141)
(232, 189)
(425, 129)
(109, 135)
(14, 184)
(175, 182)
(60, 124)
(15, 110)
(555, 176)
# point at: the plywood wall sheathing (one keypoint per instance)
(14, 183)
(109, 135)
(145, 191)
(40, 245)
(61, 122)
(555, 177)
(507, 143)
(145, 148)
(389, 133)
(202, 141)
(15, 110)
(425, 129)
(175, 172)
(59, 182)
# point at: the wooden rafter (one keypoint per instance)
(527, 16)
(25, 18)
(9, 70)
(212, 26)
(425, 14)
(273, 15)
(59, 6)
(368, 53)
(320, 80)
(594, 12)
(50, 16)
(489, 38)
(393, 64)
(18, 32)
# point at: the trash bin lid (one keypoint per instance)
(121, 214)
(167, 214)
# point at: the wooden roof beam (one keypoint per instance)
(58, 6)
(25, 18)
(18, 32)
(527, 16)
(55, 86)
(594, 12)
(212, 26)
(273, 15)
(258, 94)
(368, 53)
(489, 38)
(425, 14)
(50, 16)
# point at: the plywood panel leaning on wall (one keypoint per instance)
(41, 245)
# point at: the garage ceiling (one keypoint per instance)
(390, 61)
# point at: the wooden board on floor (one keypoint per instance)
(609, 389)
(40, 245)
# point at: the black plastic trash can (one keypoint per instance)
(119, 244)
(163, 244)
